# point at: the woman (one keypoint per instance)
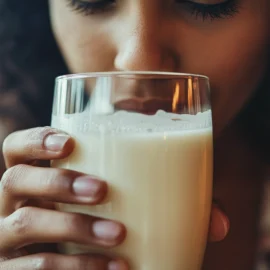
(227, 40)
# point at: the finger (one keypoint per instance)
(27, 182)
(39, 143)
(48, 261)
(219, 225)
(31, 225)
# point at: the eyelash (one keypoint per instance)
(88, 8)
(212, 11)
(200, 11)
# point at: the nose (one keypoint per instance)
(142, 46)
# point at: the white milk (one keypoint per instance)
(159, 170)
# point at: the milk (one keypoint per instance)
(159, 171)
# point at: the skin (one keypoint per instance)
(151, 35)
(233, 52)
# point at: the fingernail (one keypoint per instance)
(220, 225)
(56, 142)
(86, 186)
(226, 225)
(106, 230)
(117, 265)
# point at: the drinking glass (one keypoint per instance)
(149, 135)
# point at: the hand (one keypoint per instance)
(26, 213)
(28, 191)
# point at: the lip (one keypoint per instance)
(146, 106)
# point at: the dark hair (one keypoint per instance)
(255, 119)
(30, 60)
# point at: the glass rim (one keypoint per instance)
(164, 75)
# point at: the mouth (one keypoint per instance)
(146, 106)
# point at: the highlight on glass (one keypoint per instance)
(149, 135)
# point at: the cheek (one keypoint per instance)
(235, 61)
(88, 54)
(236, 69)
(84, 43)
(231, 52)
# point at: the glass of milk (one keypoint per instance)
(149, 135)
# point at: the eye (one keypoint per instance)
(91, 6)
(206, 11)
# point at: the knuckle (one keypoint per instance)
(10, 178)
(20, 221)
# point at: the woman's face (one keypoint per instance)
(225, 40)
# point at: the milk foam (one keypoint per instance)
(130, 122)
